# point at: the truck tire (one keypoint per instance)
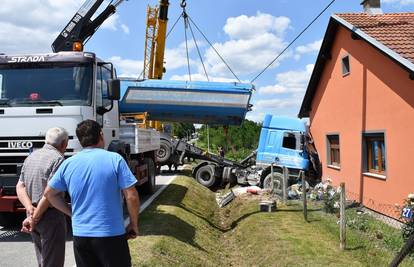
(149, 186)
(205, 175)
(277, 186)
(164, 153)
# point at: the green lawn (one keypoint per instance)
(185, 227)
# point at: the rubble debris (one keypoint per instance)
(224, 199)
(255, 190)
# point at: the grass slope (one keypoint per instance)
(184, 227)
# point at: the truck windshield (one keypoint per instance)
(63, 85)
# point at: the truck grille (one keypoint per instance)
(20, 144)
(20, 147)
(23, 144)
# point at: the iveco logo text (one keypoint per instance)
(27, 59)
(20, 145)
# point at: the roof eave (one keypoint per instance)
(323, 56)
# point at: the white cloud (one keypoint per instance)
(127, 67)
(32, 26)
(277, 103)
(284, 97)
(244, 27)
(111, 23)
(254, 42)
(400, 2)
(309, 48)
(125, 29)
(177, 57)
(289, 82)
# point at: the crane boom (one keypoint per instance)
(81, 27)
(156, 33)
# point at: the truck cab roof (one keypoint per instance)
(286, 123)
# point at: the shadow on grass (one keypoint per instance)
(158, 222)
(164, 224)
(355, 248)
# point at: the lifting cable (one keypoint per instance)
(215, 50)
(187, 25)
(199, 53)
(185, 21)
(291, 43)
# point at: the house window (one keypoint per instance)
(345, 66)
(375, 153)
(334, 157)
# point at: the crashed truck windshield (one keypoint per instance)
(56, 85)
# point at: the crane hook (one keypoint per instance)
(183, 3)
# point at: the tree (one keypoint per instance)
(237, 141)
(182, 129)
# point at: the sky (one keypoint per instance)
(248, 34)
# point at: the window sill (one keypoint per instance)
(375, 175)
(334, 167)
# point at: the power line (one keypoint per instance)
(292, 42)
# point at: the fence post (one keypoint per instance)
(284, 183)
(305, 204)
(342, 222)
(272, 180)
(405, 250)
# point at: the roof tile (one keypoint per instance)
(395, 30)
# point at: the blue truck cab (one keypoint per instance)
(285, 142)
(282, 142)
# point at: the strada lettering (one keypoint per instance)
(27, 59)
(20, 145)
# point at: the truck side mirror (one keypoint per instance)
(114, 89)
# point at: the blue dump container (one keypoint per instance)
(180, 101)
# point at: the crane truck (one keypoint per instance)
(63, 88)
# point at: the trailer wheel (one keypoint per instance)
(276, 186)
(149, 186)
(205, 175)
(164, 153)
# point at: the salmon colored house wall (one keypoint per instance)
(377, 95)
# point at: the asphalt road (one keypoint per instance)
(16, 248)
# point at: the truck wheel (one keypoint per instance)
(149, 186)
(277, 185)
(205, 175)
(164, 153)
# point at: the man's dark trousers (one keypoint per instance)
(110, 251)
(49, 239)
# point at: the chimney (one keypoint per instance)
(372, 7)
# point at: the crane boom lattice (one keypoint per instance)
(150, 42)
